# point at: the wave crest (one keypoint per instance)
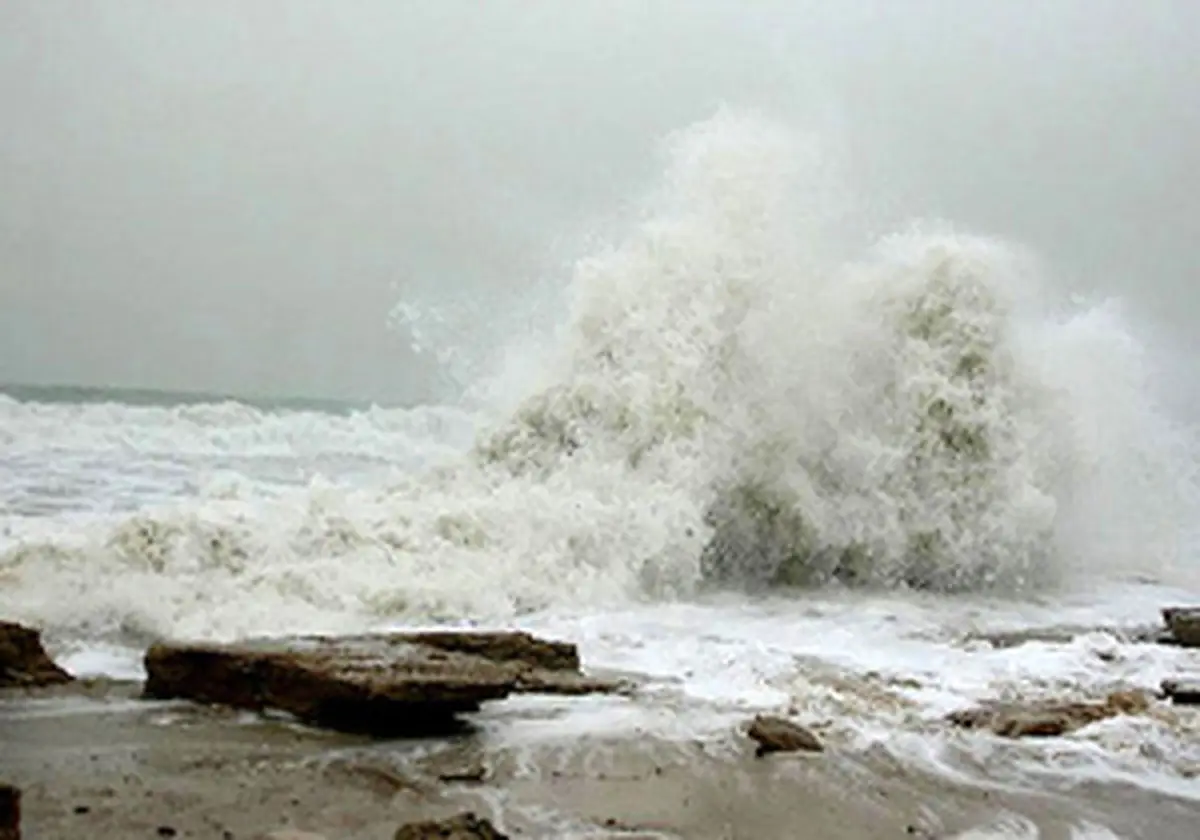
(729, 401)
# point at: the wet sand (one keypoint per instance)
(96, 761)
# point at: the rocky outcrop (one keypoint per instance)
(1183, 626)
(10, 812)
(1048, 719)
(465, 826)
(23, 661)
(394, 684)
(776, 734)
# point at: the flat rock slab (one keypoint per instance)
(1183, 623)
(23, 661)
(1048, 719)
(465, 826)
(503, 647)
(10, 812)
(393, 684)
(776, 734)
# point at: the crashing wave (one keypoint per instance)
(931, 481)
(729, 401)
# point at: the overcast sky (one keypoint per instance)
(229, 195)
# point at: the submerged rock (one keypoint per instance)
(1048, 719)
(1183, 624)
(23, 661)
(465, 826)
(394, 684)
(776, 734)
(1182, 692)
(10, 812)
(1062, 635)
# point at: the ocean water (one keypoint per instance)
(767, 457)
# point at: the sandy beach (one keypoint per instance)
(94, 760)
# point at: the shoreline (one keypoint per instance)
(94, 759)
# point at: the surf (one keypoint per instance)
(745, 389)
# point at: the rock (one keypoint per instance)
(465, 826)
(10, 812)
(566, 683)
(1048, 719)
(394, 684)
(1182, 692)
(503, 647)
(1063, 634)
(1184, 625)
(23, 660)
(775, 734)
(290, 834)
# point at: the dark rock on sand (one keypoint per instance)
(395, 684)
(465, 826)
(1047, 719)
(10, 812)
(775, 734)
(1183, 623)
(1182, 692)
(23, 661)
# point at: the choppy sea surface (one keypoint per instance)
(757, 471)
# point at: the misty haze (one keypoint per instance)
(231, 197)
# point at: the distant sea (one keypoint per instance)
(89, 394)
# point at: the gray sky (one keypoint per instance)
(230, 195)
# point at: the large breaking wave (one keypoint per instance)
(734, 397)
